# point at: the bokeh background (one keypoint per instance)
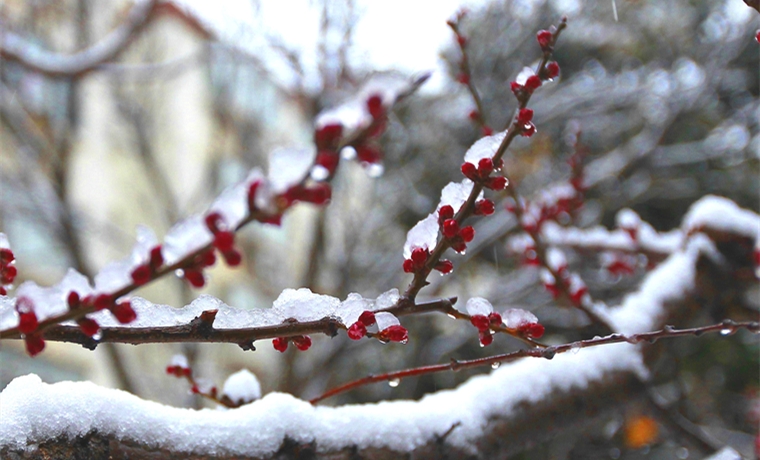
(665, 94)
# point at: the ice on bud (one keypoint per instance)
(423, 235)
(552, 70)
(544, 38)
(514, 318)
(387, 299)
(479, 306)
(385, 320)
(484, 148)
(357, 330)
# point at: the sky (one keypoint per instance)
(391, 34)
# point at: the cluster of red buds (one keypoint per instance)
(302, 342)
(484, 324)
(274, 219)
(547, 72)
(145, 272)
(8, 270)
(180, 368)
(481, 174)
(27, 325)
(419, 257)
(524, 123)
(318, 194)
(457, 236)
(359, 329)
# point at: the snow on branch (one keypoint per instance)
(258, 429)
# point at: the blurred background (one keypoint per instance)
(665, 94)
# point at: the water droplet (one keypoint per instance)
(375, 170)
(575, 348)
(348, 152)
(319, 173)
(179, 273)
(481, 345)
(614, 453)
(451, 316)
(725, 332)
(682, 453)
(495, 365)
(393, 383)
(98, 335)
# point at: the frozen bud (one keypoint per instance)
(385, 320)
(252, 189)
(194, 277)
(89, 327)
(458, 245)
(280, 344)
(450, 228)
(375, 106)
(470, 171)
(302, 342)
(156, 258)
(367, 318)
(446, 212)
(479, 306)
(524, 116)
(514, 318)
(6, 256)
(368, 154)
(485, 337)
(516, 88)
(484, 207)
(206, 259)
(495, 319)
(73, 300)
(544, 38)
(552, 70)
(27, 318)
(34, 344)
(496, 183)
(532, 83)
(224, 240)
(124, 312)
(102, 302)
(395, 333)
(467, 233)
(533, 330)
(8, 274)
(328, 159)
(416, 261)
(485, 167)
(232, 257)
(528, 130)
(481, 322)
(357, 331)
(214, 222)
(328, 136)
(444, 266)
(141, 275)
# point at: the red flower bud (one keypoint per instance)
(470, 171)
(375, 106)
(444, 266)
(8, 274)
(395, 333)
(280, 344)
(34, 344)
(484, 207)
(213, 221)
(528, 130)
(328, 136)
(532, 330)
(357, 331)
(486, 338)
(419, 256)
(27, 322)
(532, 83)
(485, 167)
(516, 88)
(467, 233)
(156, 258)
(102, 302)
(73, 300)
(524, 116)
(6, 256)
(367, 318)
(495, 319)
(496, 183)
(124, 312)
(232, 257)
(302, 342)
(552, 69)
(481, 322)
(450, 228)
(88, 326)
(207, 259)
(446, 212)
(408, 266)
(544, 38)
(194, 277)
(368, 154)
(141, 275)
(328, 160)
(224, 241)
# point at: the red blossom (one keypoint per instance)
(280, 344)
(302, 342)
(34, 344)
(484, 207)
(367, 318)
(357, 331)
(124, 312)
(89, 327)
(544, 38)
